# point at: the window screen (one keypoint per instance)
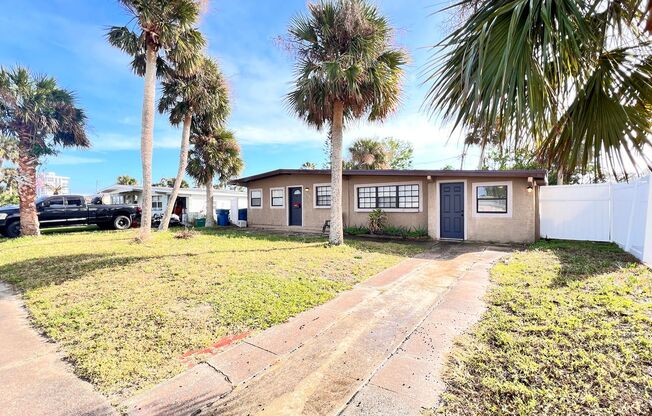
(388, 196)
(277, 197)
(323, 195)
(256, 198)
(491, 199)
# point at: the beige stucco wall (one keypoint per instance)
(520, 226)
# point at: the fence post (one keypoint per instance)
(632, 213)
(647, 237)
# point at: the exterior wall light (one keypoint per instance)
(529, 188)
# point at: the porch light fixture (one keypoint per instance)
(307, 189)
(530, 182)
(529, 188)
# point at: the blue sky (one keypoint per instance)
(65, 39)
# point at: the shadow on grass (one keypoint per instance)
(39, 272)
(580, 260)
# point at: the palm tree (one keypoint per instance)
(368, 154)
(215, 154)
(8, 149)
(204, 92)
(346, 69)
(164, 34)
(126, 180)
(570, 79)
(308, 166)
(40, 116)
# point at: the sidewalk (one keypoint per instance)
(35, 379)
(377, 349)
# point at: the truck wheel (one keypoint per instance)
(13, 230)
(121, 222)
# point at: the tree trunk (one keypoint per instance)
(183, 162)
(146, 139)
(560, 176)
(27, 192)
(210, 211)
(336, 235)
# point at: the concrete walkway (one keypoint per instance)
(375, 350)
(34, 380)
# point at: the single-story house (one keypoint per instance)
(190, 204)
(482, 205)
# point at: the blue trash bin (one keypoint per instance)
(222, 217)
(242, 214)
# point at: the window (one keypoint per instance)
(256, 198)
(74, 202)
(157, 202)
(117, 199)
(323, 196)
(389, 196)
(277, 197)
(56, 202)
(491, 199)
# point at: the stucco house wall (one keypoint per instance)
(519, 224)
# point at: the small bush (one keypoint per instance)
(356, 230)
(377, 221)
(405, 232)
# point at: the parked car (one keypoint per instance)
(70, 210)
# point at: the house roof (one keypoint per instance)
(539, 175)
(165, 190)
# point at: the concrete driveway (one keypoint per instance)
(375, 350)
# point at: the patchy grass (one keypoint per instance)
(125, 313)
(568, 332)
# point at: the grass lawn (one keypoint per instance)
(125, 313)
(568, 332)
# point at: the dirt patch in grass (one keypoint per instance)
(568, 332)
(125, 313)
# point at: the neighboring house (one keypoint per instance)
(190, 204)
(49, 183)
(496, 206)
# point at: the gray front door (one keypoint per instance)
(451, 210)
(296, 200)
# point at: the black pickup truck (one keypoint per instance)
(69, 210)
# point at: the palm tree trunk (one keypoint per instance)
(146, 139)
(210, 222)
(27, 192)
(560, 176)
(183, 162)
(336, 235)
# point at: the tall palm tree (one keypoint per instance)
(215, 155)
(346, 69)
(126, 180)
(204, 92)
(40, 116)
(164, 33)
(572, 79)
(368, 154)
(308, 166)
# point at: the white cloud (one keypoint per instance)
(115, 141)
(71, 160)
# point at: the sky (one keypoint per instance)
(65, 39)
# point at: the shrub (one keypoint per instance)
(377, 221)
(356, 230)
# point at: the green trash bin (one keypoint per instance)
(200, 222)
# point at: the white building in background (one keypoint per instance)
(50, 183)
(190, 204)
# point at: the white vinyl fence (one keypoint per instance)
(617, 212)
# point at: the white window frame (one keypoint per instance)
(510, 200)
(365, 185)
(271, 198)
(314, 196)
(158, 199)
(262, 199)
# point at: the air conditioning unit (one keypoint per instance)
(241, 223)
